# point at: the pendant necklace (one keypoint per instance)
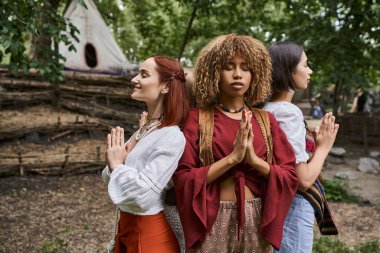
(148, 129)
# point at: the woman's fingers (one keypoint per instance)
(247, 121)
(336, 128)
(323, 126)
(117, 136)
(328, 123)
(113, 137)
(122, 137)
(127, 147)
(332, 125)
(109, 144)
(143, 117)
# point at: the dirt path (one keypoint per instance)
(74, 214)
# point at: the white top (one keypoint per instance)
(291, 121)
(139, 185)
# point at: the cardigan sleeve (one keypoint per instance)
(139, 188)
(190, 187)
(281, 187)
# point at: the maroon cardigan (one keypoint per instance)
(198, 203)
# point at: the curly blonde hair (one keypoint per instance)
(216, 54)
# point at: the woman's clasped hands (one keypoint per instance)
(117, 151)
(243, 144)
(326, 133)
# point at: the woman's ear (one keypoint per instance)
(165, 89)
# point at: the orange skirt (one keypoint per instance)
(145, 234)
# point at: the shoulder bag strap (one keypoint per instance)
(262, 118)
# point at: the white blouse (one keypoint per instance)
(139, 185)
(290, 119)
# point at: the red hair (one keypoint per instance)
(176, 101)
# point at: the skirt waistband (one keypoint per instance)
(224, 204)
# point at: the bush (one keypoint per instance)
(336, 190)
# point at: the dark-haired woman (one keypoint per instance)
(291, 72)
(139, 171)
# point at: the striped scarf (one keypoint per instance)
(316, 194)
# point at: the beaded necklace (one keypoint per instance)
(148, 129)
(231, 111)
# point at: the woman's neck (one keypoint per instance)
(232, 104)
(283, 96)
(155, 109)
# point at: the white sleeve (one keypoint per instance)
(139, 188)
(294, 128)
(106, 175)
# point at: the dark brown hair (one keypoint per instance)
(285, 57)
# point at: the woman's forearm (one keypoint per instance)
(261, 166)
(220, 167)
(308, 172)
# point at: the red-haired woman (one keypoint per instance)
(139, 171)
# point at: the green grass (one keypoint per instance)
(57, 244)
(53, 246)
(326, 245)
(336, 191)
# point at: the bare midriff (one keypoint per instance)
(227, 191)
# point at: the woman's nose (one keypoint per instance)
(134, 80)
(237, 73)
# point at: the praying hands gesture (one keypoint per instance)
(243, 149)
(116, 150)
(243, 146)
(242, 138)
(326, 134)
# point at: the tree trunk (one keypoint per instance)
(187, 34)
(41, 44)
(337, 92)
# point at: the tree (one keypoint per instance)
(341, 39)
(180, 28)
(40, 20)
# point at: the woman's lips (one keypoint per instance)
(237, 85)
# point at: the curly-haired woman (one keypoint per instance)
(234, 183)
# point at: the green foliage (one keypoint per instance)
(85, 226)
(326, 245)
(53, 246)
(57, 244)
(371, 246)
(37, 21)
(341, 38)
(336, 190)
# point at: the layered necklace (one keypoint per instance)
(232, 110)
(148, 127)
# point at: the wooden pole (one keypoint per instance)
(67, 156)
(21, 167)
